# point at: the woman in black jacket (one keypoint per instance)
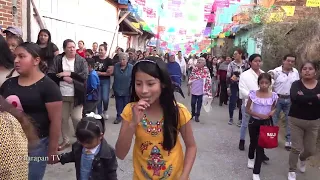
(70, 72)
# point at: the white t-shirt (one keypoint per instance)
(68, 66)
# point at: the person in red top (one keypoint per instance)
(222, 78)
(81, 51)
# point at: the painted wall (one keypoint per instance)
(90, 21)
(249, 38)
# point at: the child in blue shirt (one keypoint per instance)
(93, 83)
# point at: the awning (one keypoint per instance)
(127, 27)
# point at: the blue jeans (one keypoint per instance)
(283, 104)
(233, 99)
(104, 90)
(121, 102)
(244, 123)
(38, 159)
(196, 100)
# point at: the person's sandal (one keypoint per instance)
(63, 146)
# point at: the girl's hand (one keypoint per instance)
(138, 111)
(262, 116)
(300, 93)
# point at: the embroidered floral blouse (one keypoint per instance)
(150, 160)
(262, 105)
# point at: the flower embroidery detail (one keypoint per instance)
(156, 162)
(144, 146)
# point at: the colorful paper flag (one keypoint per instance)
(289, 10)
(141, 2)
(313, 3)
(123, 1)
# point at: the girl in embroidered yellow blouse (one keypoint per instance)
(156, 119)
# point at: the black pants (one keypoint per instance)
(254, 130)
(196, 104)
(223, 96)
(239, 105)
(90, 106)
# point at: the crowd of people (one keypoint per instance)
(41, 89)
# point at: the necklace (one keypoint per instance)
(152, 128)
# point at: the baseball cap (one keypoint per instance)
(14, 30)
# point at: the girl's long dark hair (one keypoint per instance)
(6, 56)
(49, 52)
(156, 68)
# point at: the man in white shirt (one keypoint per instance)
(248, 81)
(182, 63)
(283, 77)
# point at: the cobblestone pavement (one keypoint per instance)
(218, 157)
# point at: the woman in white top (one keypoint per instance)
(70, 72)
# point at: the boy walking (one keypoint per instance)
(93, 84)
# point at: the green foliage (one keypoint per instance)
(301, 38)
(263, 15)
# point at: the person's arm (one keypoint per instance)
(297, 95)
(249, 111)
(191, 147)
(68, 157)
(55, 50)
(228, 76)
(273, 109)
(243, 89)
(112, 166)
(127, 130)
(108, 63)
(53, 103)
(53, 70)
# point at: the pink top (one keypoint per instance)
(262, 105)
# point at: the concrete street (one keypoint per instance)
(218, 157)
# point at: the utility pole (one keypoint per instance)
(158, 30)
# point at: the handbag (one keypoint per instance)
(268, 136)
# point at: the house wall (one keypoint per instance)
(6, 17)
(250, 39)
(90, 21)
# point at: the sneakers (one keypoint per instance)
(241, 145)
(230, 122)
(302, 165)
(292, 176)
(250, 163)
(105, 115)
(239, 123)
(255, 177)
(287, 146)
